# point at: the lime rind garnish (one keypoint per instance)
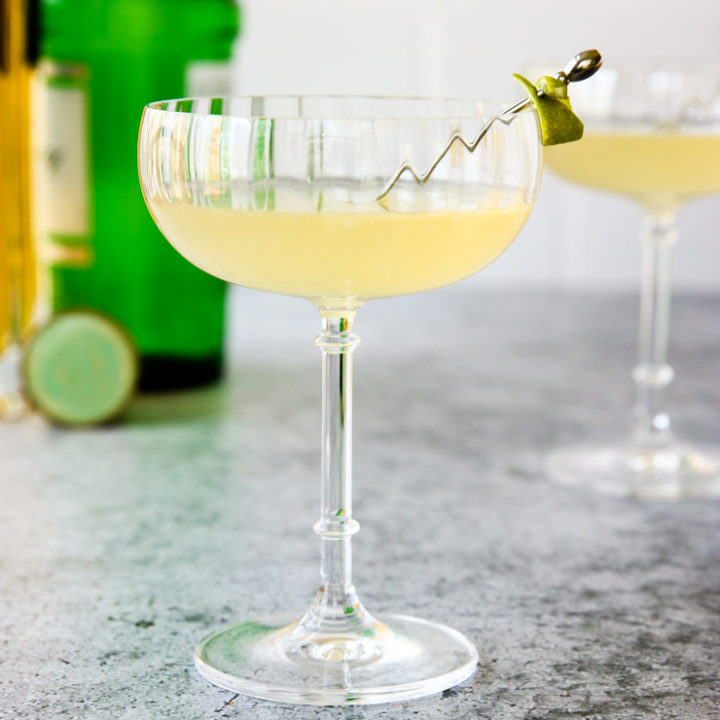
(558, 123)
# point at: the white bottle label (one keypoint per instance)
(209, 78)
(62, 170)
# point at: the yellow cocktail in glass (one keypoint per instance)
(657, 167)
(286, 195)
(341, 258)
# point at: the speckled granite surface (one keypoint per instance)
(121, 547)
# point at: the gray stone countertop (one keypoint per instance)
(121, 547)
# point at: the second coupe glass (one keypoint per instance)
(652, 132)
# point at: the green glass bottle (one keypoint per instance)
(101, 62)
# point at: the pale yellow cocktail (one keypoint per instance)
(339, 257)
(656, 166)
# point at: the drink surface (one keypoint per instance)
(339, 258)
(655, 167)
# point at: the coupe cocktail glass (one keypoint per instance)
(653, 134)
(279, 194)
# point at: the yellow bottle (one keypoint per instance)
(18, 281)
(17, 261)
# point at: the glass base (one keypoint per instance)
(400, 658)
(670, 472)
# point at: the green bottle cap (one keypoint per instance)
(81, 368)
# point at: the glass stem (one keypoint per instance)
(652, 374)
(336, 605)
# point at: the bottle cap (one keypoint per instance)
(81, 368)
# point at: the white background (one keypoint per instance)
(470, 48)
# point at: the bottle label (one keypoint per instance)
(208, 78)
(62, 163)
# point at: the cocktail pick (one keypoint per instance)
(580, 67)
